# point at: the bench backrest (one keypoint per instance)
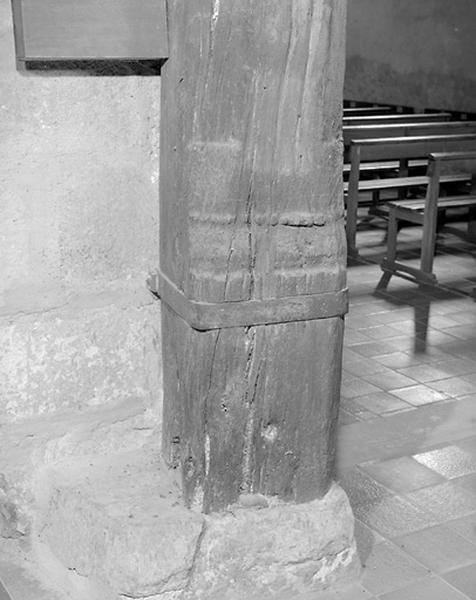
(395, 119)
(406, 129)
(410, 146)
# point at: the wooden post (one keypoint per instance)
(252, 246)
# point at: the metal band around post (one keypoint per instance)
(204, 316)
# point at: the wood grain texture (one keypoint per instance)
(251, 209)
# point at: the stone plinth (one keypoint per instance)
(122, 523)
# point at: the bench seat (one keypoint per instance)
(404, 182)
(418, 205)
(386, 165)
(443, 203)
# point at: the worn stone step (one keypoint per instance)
(30, 445)
(120, 521)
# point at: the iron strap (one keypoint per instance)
(204, 316)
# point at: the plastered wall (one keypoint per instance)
(419, 53)
(78, 236)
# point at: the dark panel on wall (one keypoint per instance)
(413, 53)
(89, 29)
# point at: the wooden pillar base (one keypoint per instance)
(254, 409)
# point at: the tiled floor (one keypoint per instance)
(407, 446)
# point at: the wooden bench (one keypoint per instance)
(395, 119)
(401, 149)
(425, 212)
(361, 132)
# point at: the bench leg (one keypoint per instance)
(428, 246)
(472, 223)
(392, 238)
(351, 225)
(388, 264)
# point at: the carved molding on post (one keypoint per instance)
(252, 217)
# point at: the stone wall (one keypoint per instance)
(78, 236)
(416, 53)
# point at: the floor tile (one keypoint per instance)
(456, 366)
(389, 380)
(394, 317)
(424, 373)
(419, 394)
(464, 317)
(408, 327)
(446, 501)
(403, 474)
(381, 402)
(464, 580)
(432, 354)
(438, 548)
(454, 386)
(370, 349)
(450, 461)
(466, 527)
(357, 387)
(396, 360)
(468, 482)
(407, 343)
(435, 337)
(366, 539)
(394, 516)
(468, 444)
(465, 332)
(387, 569)
(362, 367)
(380, 332)
(351, 406)
(345, 418)
(443, 322)
(471, 377)
(353, 336)
(347, 377)
(431, 588)
(361, 488)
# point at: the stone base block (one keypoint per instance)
(121, 523)
(275, 552)
(32, 446)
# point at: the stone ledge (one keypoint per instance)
(121, 523)
(33, 444)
